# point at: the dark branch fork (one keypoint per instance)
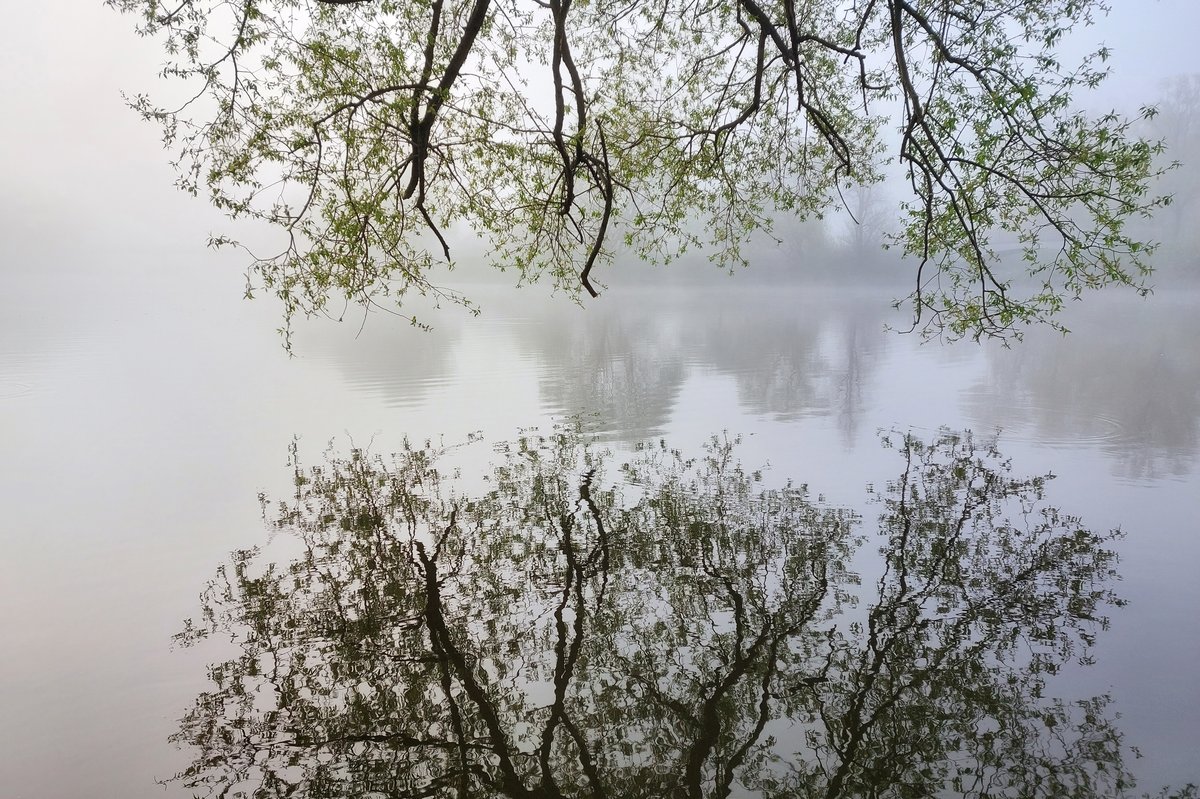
(575, 158)
(381, 149)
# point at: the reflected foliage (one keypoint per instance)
(622, 362)
(788, 364)
(789, 354)
(657, 626)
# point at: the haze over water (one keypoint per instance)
(138, 437)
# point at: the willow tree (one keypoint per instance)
(563, 132)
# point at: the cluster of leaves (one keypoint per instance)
(567, 131)
(680, 632)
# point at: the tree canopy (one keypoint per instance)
(569, 132)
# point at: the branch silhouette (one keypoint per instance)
(658, 627)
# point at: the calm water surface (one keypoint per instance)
(141, 419)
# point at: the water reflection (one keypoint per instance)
(1131, 390)
(792, 359)
(663, 626)
(386, 359)
(626, 360)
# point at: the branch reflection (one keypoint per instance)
(663, 627)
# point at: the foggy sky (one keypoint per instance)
(83, 176)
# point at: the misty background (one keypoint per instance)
(144, 406)
(83, 175)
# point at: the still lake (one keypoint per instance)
(142, 417)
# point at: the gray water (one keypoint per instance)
(141, 417)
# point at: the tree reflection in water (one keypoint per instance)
(677, 632)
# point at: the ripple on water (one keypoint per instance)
(1057, 427)
(1067, 428)
(15, 377)
(12, 389)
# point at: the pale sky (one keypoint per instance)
(82, 175)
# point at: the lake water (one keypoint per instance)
(141, 417)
